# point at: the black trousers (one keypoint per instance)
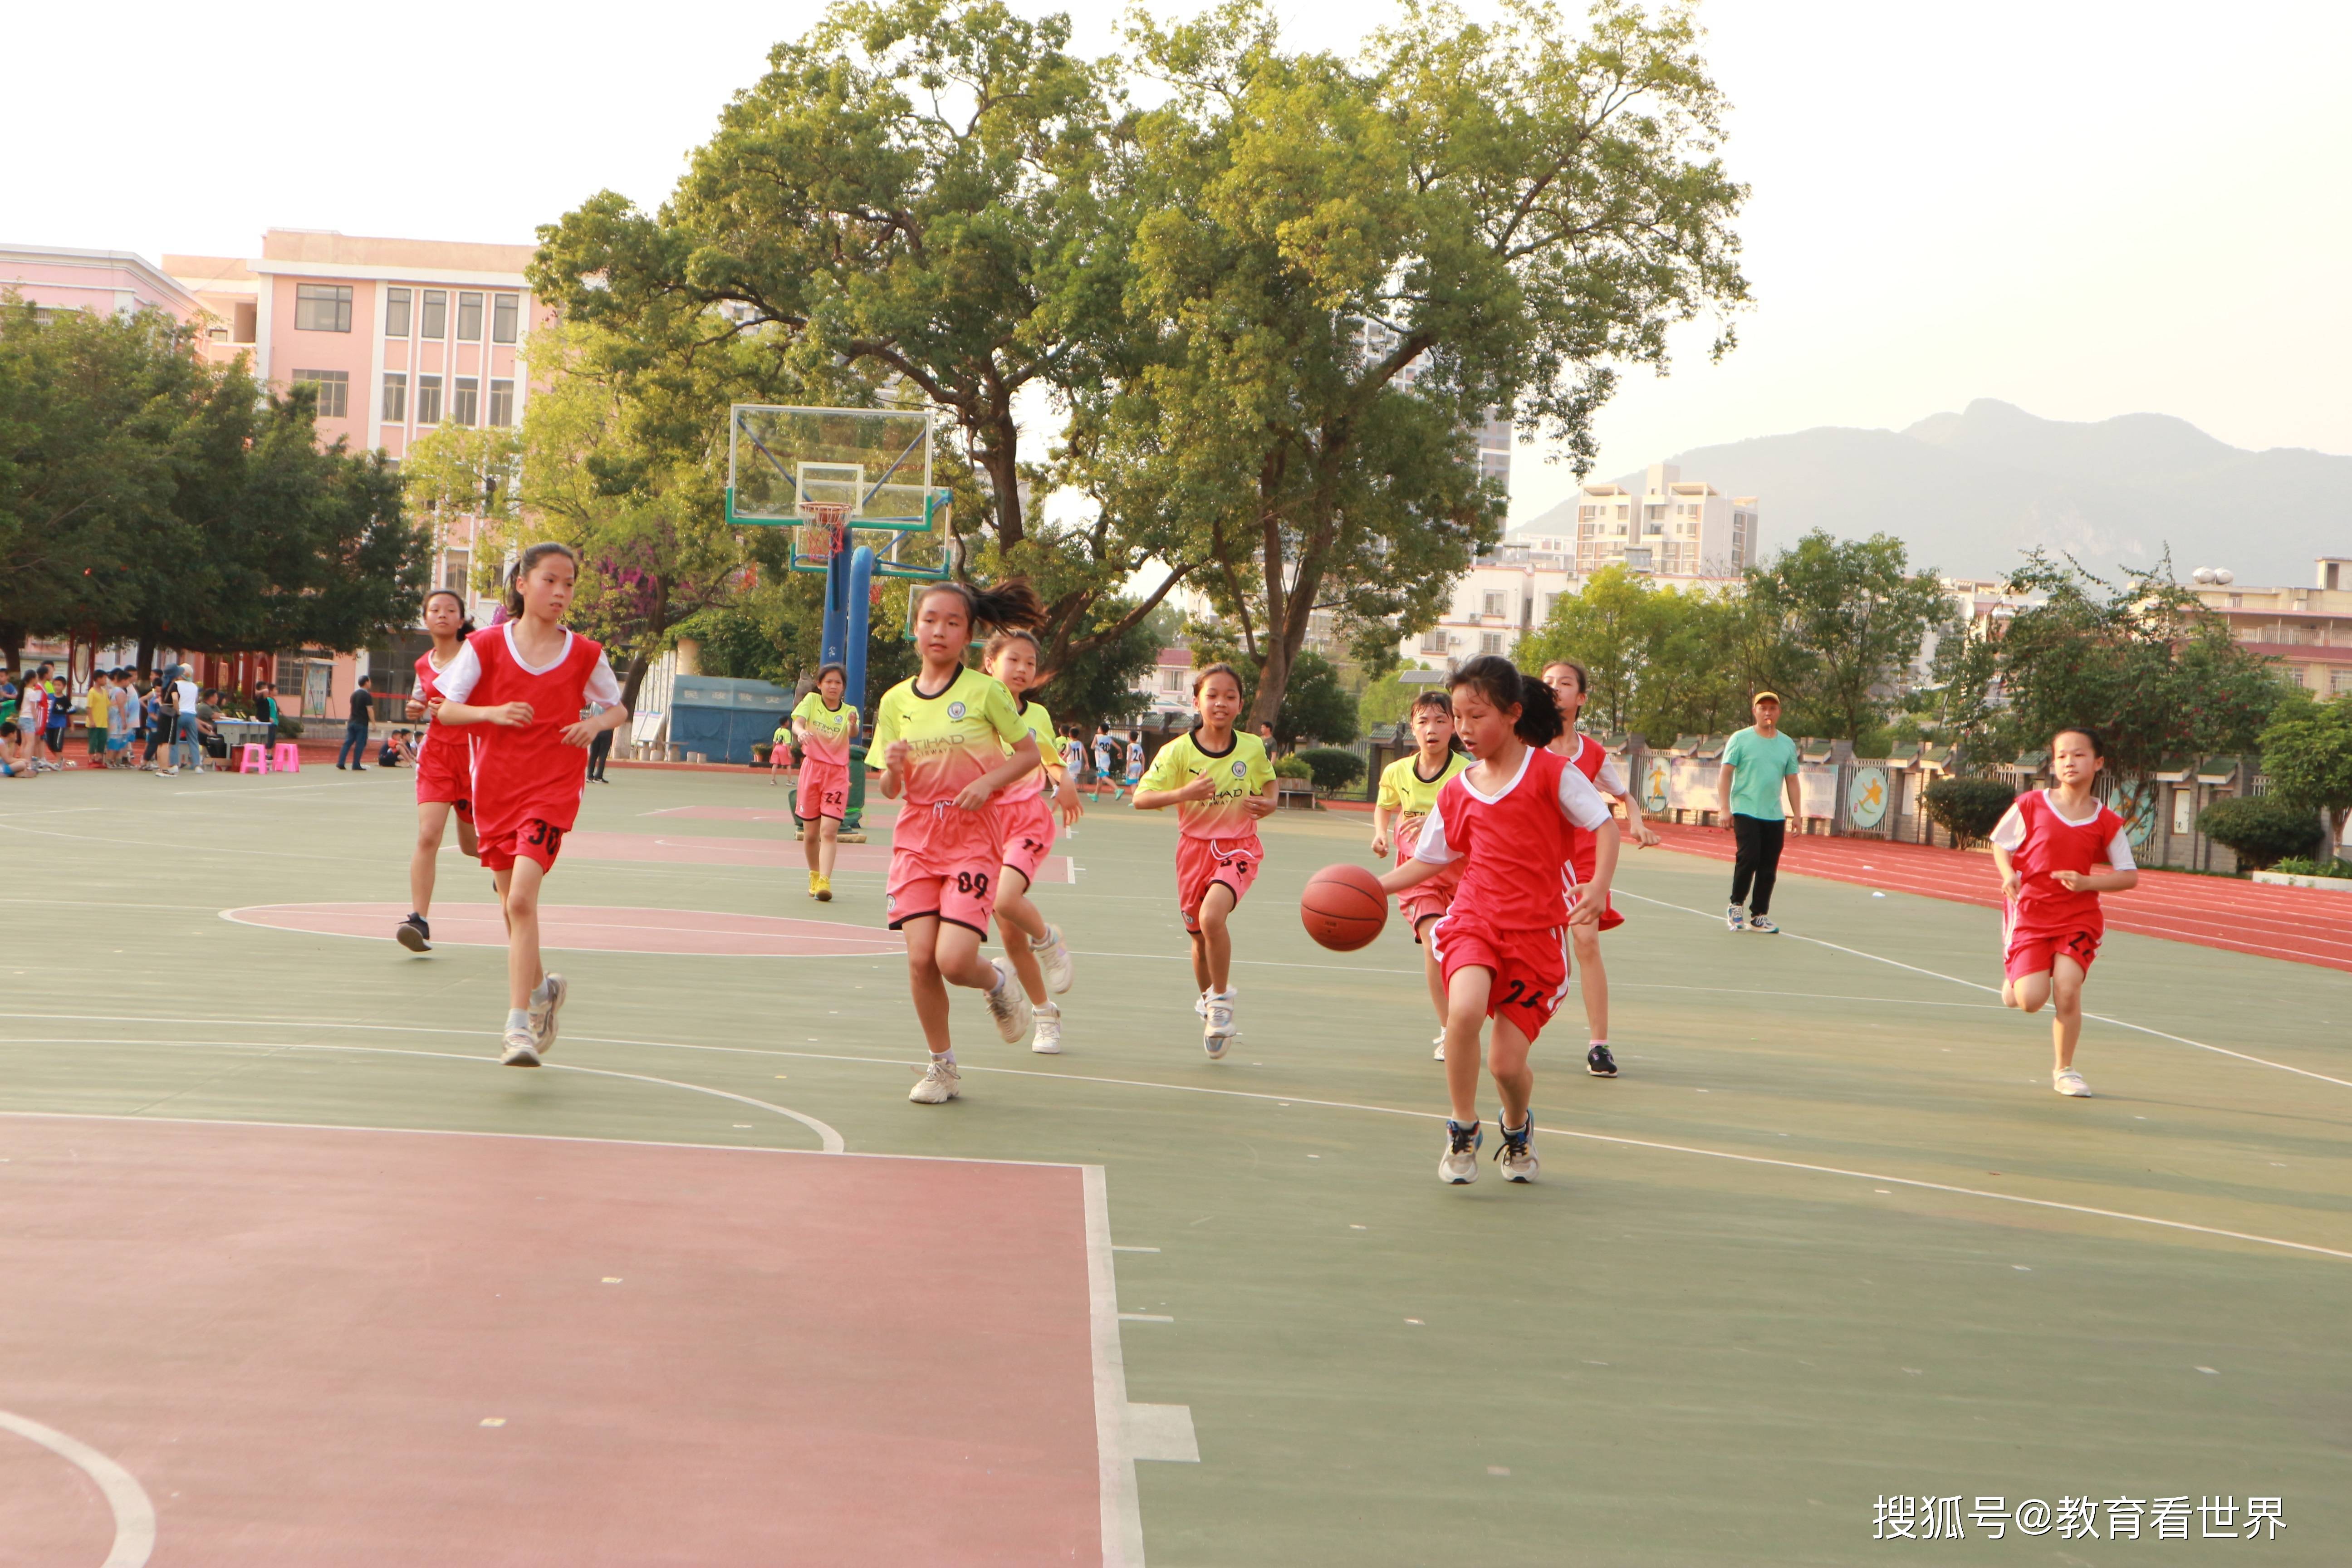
(1758, 860)
(598, 750)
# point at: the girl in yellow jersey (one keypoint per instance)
(1221, 784)
(1409, 789)
(1038, 954)
(948, 740)
(825, 725)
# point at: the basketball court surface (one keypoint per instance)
(291, 1272)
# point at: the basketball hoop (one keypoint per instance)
(823, 526)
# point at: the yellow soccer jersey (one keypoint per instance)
(1240, 771)
(956, 735)
(1040, 725)
(1403, 791)
(830, 730)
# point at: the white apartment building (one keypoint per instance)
(1674, 527)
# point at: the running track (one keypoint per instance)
(2299, 924)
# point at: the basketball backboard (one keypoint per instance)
(874, 463)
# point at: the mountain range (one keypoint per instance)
(1968, 492)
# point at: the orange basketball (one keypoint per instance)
(1343, 906)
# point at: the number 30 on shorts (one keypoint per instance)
(540, 835)
(972, 882)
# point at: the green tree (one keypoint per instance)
(1609, 627)
(1341, 267)
(1852, 617)
(1317, 707)
(2307, 752)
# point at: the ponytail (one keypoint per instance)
(1011, 605)
(524, 562)
(1505, 685)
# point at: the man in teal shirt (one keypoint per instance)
(1758, 763)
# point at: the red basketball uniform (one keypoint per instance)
(527, 779)
(444, 756)
(1509, 915)
(1592, 761)
(2045, 919)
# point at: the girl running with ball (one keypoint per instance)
(2045, 845)
(1039, 957)
(1220, 782)
(1503, 945)
(1408, 790)
(445, 766)
(824, 725)
(1566, 678)
(949, 738)
(525, 683)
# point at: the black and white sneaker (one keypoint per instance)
(1763, 923)
(1516, 1153)
(1599, 1062)
(1459, 1165)
(1735, 917)
(415, 934)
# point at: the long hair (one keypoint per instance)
(464, 619)
(1506, 685)
(1437, 702)
(1010, 605)
(531, 556)
(1006, 638)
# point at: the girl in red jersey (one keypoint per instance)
(1504, 943)
(526, 682)
(949, 737)
(1569, 687)
(1039, 956)
(1409, 788)
(2046, 846)
(444, 767)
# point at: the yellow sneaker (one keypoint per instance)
(823, 890)
(815, 882)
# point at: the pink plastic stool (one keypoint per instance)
(253, 759)
(286, 759)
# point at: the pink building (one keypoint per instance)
(58, 278)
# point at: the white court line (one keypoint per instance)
(1249, 1094)
(134, 1515)
(1122, 1502)
(1995, 990)
(878, 943)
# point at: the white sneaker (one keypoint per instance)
(1459, 1164)
(1217, 1034)
(522, 1049)
(1519, 1155)
(1054, 957)
(1439, 1054)
(1201, 1006)
(545, 1004)
(941, 1082)
(1735, 917)
(1048, 1042)
(2067, 1081)
(169, 774)
(1008, 1006)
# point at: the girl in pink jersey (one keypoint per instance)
(1040, 958)
(444, 767)
(2046, 846)
(525, 683)
(1503, 942)
(1569, 688)
(949, 738)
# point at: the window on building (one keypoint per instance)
(323, 306)
(2295, 674)
(502, 403)
(395, 312)
(462, 398)
(456, 566)
(245, 321)
(1550, 603)
(1434, 640)
(469, 317)
(334, 389)
(506, 315)
(435, 319)
(2339, 681)
(1490, 642)
(396, 400)
(1490, 605)
(429, 399)
(2184, 809)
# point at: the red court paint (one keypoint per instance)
(593, 928)
(292, 1337)
(781, 854)
(2299, 924)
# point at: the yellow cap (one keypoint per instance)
(1764, 696)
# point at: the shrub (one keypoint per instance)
(2302, 865)
(1969, 809)
(1293, 768)
(288, 729)
(1332, 767)
(2261, 831)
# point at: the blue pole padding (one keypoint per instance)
(857, 617)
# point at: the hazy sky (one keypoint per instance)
(2085, 209)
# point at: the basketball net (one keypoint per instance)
(824, 524)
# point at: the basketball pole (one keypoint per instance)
(848, 617)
